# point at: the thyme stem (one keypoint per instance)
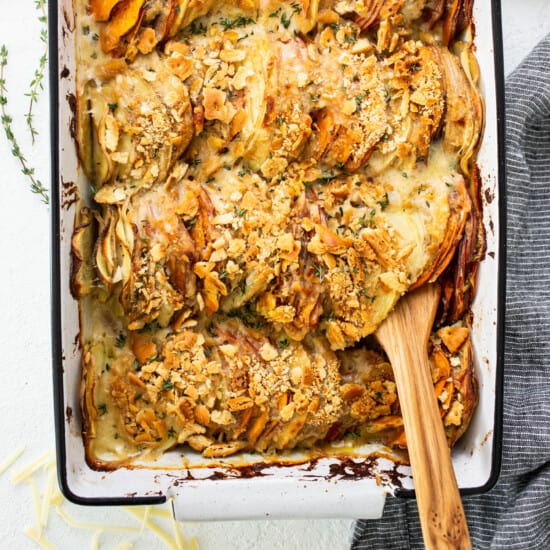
(36, 184)
(36, 85)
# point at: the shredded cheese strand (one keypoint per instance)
(26, 472)
(38, 538)
(47, 498)
(81, 525)
(95, 540)
(125, 545)
(180, 542)
(57, 497)
(161, 513)
(161, 534)
(4, 466)
(146, 513)
(37, 504)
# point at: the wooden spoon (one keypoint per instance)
(404, 336)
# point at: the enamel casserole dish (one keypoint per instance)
(207, 468)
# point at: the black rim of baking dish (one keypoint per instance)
(57, 321)
(501, 282)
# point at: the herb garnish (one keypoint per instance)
(36, 185)
(239, 21)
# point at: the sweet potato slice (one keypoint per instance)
(124, 17)
(369, 15)
(101, 9)
(459, 281)
(434, 11)
(465, 15)
(460, 206)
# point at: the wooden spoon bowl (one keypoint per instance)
(404, 336)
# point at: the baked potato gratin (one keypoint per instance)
(267, 178)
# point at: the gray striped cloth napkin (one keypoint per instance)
(515, 514)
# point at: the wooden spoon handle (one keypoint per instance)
(439, 503)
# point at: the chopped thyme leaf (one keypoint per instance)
(239, 21)
(363, 292)
(384, 203)
(285, 20)
(351, 38)
(327, 177)
(120, 340)
(319, 272)
(198, 28)
(283, 344)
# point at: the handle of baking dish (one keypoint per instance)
(234, 499)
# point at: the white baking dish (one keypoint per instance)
(237, 488)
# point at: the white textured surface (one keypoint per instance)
(26, 404)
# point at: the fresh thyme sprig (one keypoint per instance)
(36, 184)
(36, 85)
